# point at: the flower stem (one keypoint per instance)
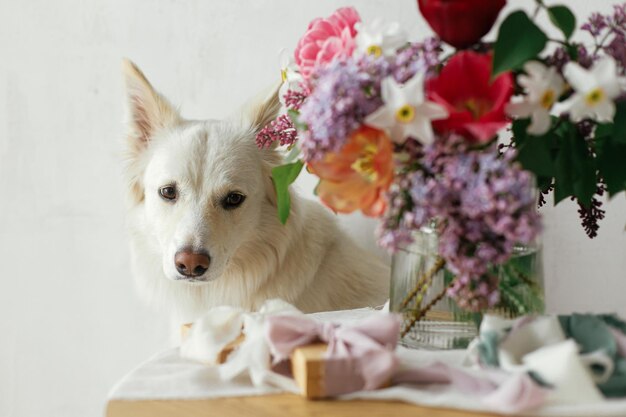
(426, 277)
(564, 43)
(539, 6)
(422, 312)
(601, 43)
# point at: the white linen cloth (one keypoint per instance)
(168, 376)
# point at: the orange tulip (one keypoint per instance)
(358, 175)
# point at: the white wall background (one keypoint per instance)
(70, 324)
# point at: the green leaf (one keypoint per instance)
(563, 18)
(572, 50)
(619, 129)
(563, 183)
(448, 277)
(544, 183)
(611, 163)
(575, 170)
(519, 40)
(477, 319)
(535, 155)
(610, 144)
(604, 130)
(519, 127)
(585, 175)
(283, 176)
(523, 264)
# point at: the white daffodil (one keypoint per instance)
(405, 111)
(379, 38)
(543, 86)
(289, 75)
(594, 89)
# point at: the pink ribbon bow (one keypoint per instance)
(359, 356)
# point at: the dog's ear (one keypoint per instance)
(263, 108)
(258, 112)
(148, 112)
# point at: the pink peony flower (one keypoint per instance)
(326, 39)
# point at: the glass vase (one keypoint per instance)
(431, 319)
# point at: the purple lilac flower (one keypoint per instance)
(417, 57)
(591, 216)
(475, 294)
(617, 49)
(560, 57)
(484, 204)
(340, 100)
(609, 34)
(619, 14)
(595, 25)
(392, 231)
(346, 90)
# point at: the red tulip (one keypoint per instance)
(474, 102)
(461, 23)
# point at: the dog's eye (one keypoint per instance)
(168, 192)
(233, 200)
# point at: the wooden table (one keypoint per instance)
(280, 405)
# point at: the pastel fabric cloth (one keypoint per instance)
(501, 391)
(362, 355)
(168, 376)
(579, 357)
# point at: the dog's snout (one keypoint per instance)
(191, 263)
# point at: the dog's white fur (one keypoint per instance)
(308, 262)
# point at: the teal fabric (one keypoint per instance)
(616, 385)
(589, 331)
(614, 321)
(592, 333)
(488, 349)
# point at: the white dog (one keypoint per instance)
(203, 222)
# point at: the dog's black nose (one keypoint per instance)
(190, 263)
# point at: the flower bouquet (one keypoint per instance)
(447, 140)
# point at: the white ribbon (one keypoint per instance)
(222, 325)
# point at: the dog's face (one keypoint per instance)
(200, 187)
(204, 192)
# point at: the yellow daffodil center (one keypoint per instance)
(283, 74)
(477, 107)
(594, 97)
(405, 114)
(547, 99)
(365, 164)
(374, 50)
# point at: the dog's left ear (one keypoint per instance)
(258, 112)
(148, 112)
(263, 108)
